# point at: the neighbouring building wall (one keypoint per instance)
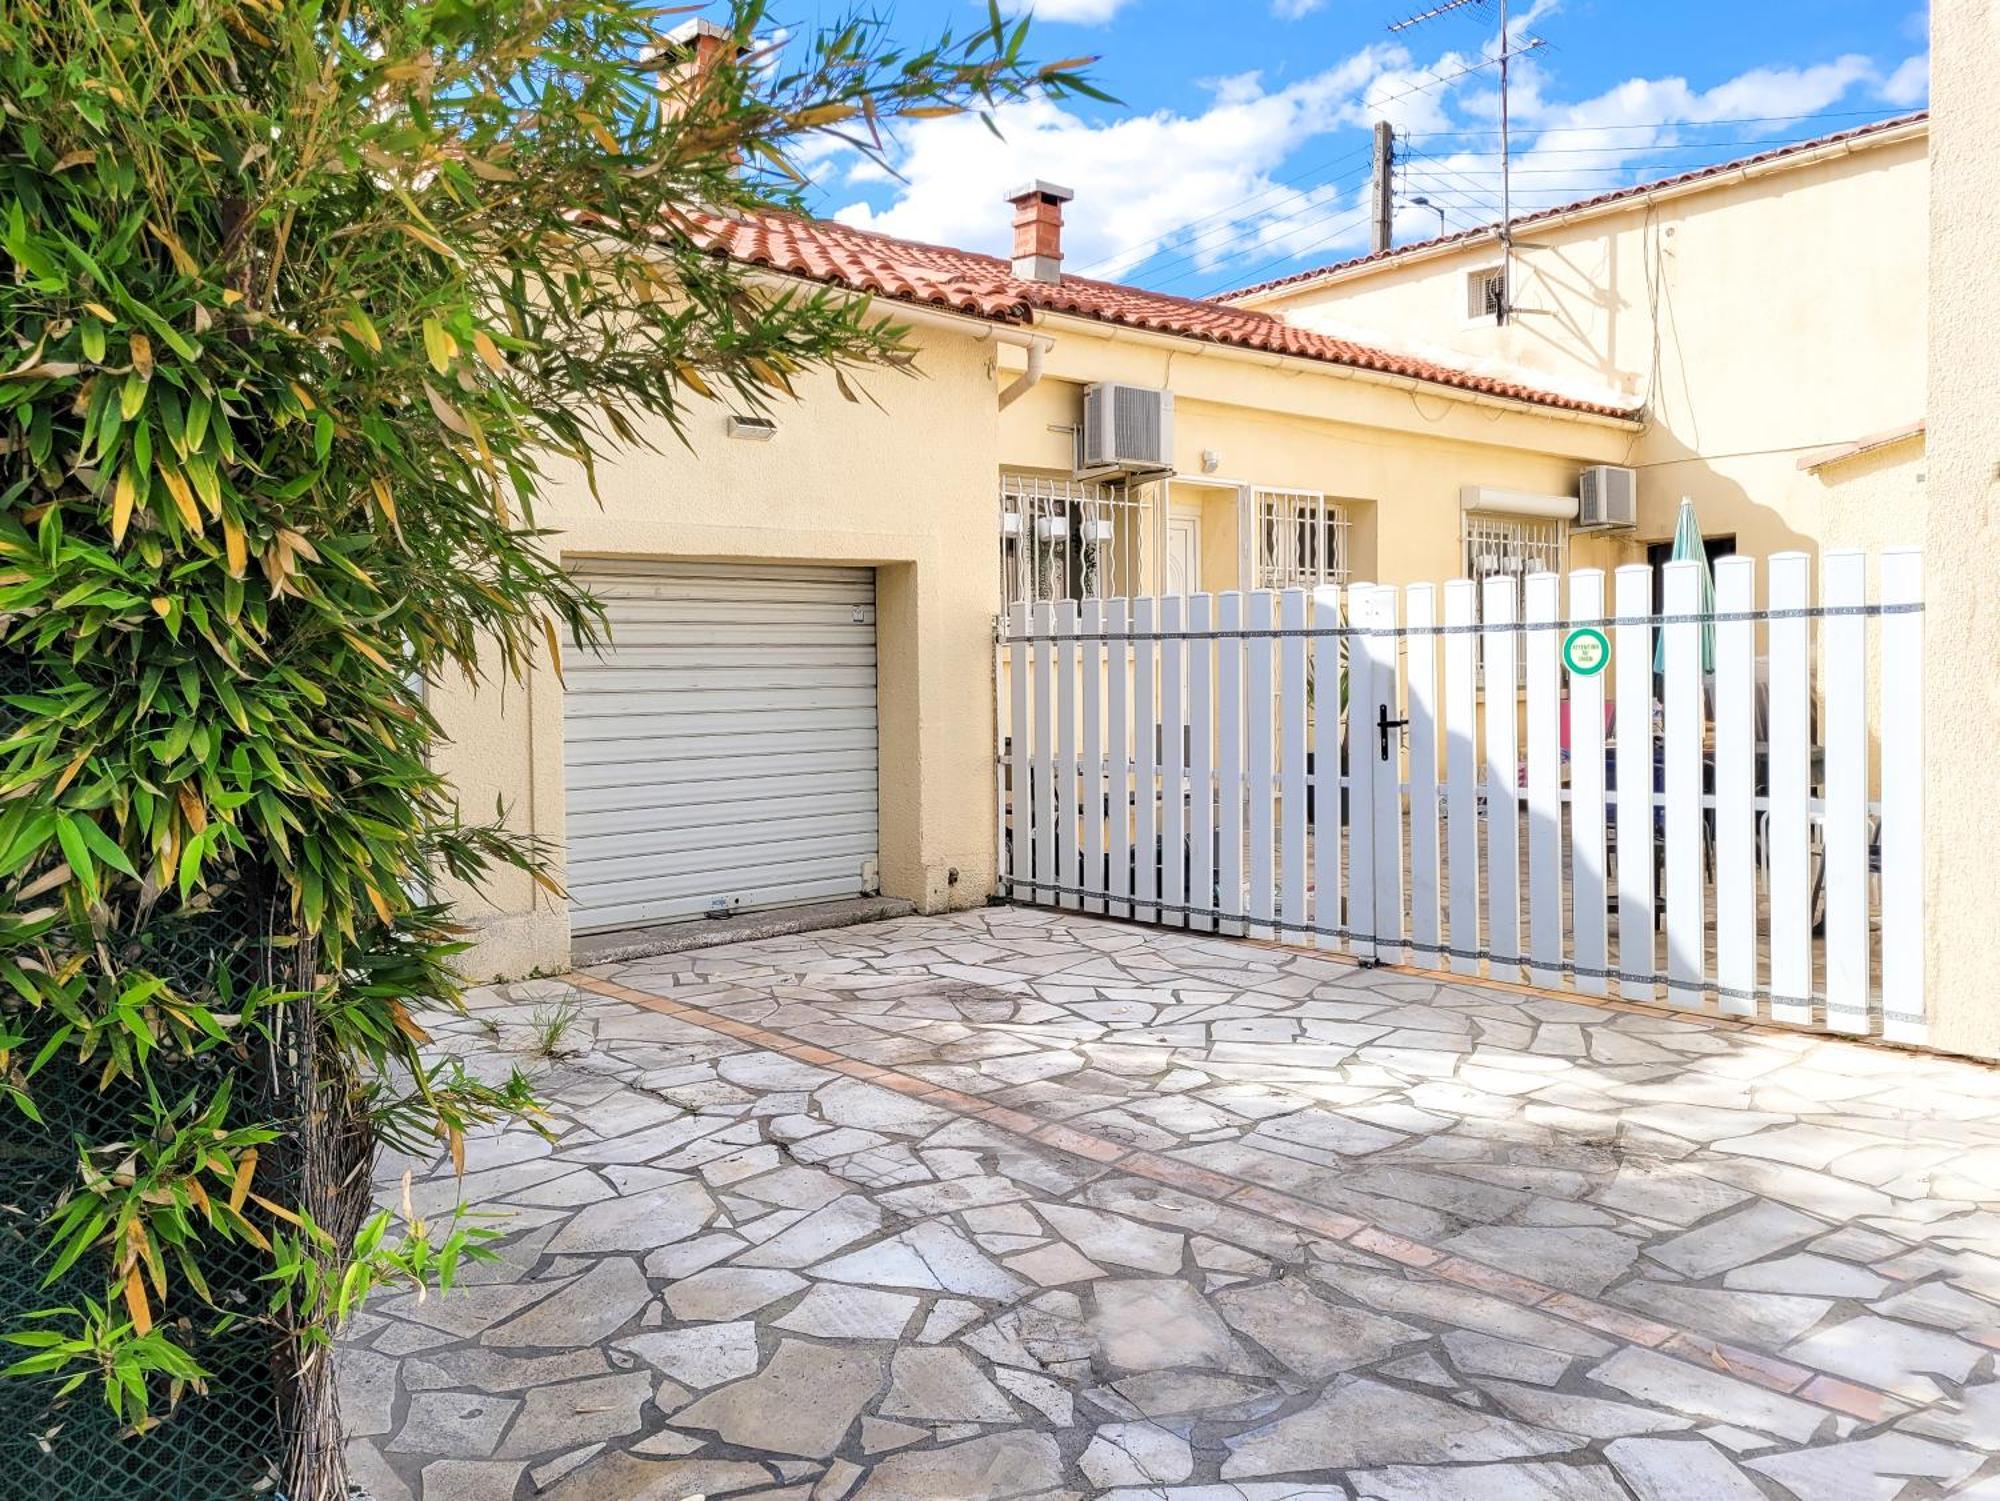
(1962, 565)
(1759, 319)
(907, 487)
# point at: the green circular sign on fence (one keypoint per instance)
(1585, 651)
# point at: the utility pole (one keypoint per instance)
(1384, 216)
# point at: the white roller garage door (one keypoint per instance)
(722, 751)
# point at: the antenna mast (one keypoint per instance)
(1504, 311)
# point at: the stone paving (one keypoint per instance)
(1022, 1204)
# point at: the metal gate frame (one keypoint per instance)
(1460, 810)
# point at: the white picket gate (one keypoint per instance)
(1389, 772)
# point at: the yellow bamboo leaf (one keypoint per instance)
(358, 324)
(192, 808)
(439, 346)
(123, 493)
(136, 1304)
(446, 413)
(823, 114)
(692, 377)
(304, 396)
(457, 1139)
(142, 356)
(381, 906)
(161, 604)
(73, 159)
(386, 499)
(178, 488)
(488, 351)
(407, 1024)
(199, 1195)
(428, 240)
(246, 1168)
(101, 311)
(367, 651)
(70, 771)
(183, 262)
(238, 549)
(491, 172)
(930, 112)
(279, 1210)
(555, 649)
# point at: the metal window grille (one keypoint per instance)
(1065, 539)
(1512, 547)
(1485, 293)
(1301, 539)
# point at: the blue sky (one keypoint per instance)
(1239, 150)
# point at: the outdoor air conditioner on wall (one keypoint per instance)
(1127, 430)
(1607, 495)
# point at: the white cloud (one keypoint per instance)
(1294, 10)
(1078, 12)
(1910, 84)
(1205, 191)
(1139, 180)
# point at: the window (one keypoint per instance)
(1486, 294)
(1064, 539)
(1301, 539)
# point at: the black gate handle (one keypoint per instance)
(1384, 724)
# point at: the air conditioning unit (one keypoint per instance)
(1607, 495)
(1126, 430)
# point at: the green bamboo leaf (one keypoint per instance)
(103, 847)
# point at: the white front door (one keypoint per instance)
(1184, 552)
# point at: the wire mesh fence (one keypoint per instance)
(227, 1440)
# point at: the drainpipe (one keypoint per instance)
(1026, 381)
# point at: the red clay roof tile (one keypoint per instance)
(983, 286)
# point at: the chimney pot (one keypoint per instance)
(1038, 217)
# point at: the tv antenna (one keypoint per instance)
(1503, 309)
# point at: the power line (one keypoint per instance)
(1194, 266)
(1247, 275)
(1835, 114)
(1228, 210)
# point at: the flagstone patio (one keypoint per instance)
(1022, 1204)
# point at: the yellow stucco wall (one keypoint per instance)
(907, 487)
(1395, 458)
(1962, 548)
(1758, 319)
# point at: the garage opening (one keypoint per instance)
(721, 755)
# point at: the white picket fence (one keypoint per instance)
(1191, 761)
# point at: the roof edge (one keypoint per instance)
(1797, 155)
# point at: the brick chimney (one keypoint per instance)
(1038, 230)
(686, 56)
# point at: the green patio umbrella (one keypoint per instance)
(1688, 548)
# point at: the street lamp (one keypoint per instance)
(1434, 208)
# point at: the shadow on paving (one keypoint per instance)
(1757, 1264)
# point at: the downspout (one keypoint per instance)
(1038, 347)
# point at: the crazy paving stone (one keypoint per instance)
(1307, 1333)
(996, 1467)
(939, 1384)
(1679, 1469)
(700, 1356)
(1162, 1325)
(802, 1402)
(1360, 1422)
(583, 1312)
